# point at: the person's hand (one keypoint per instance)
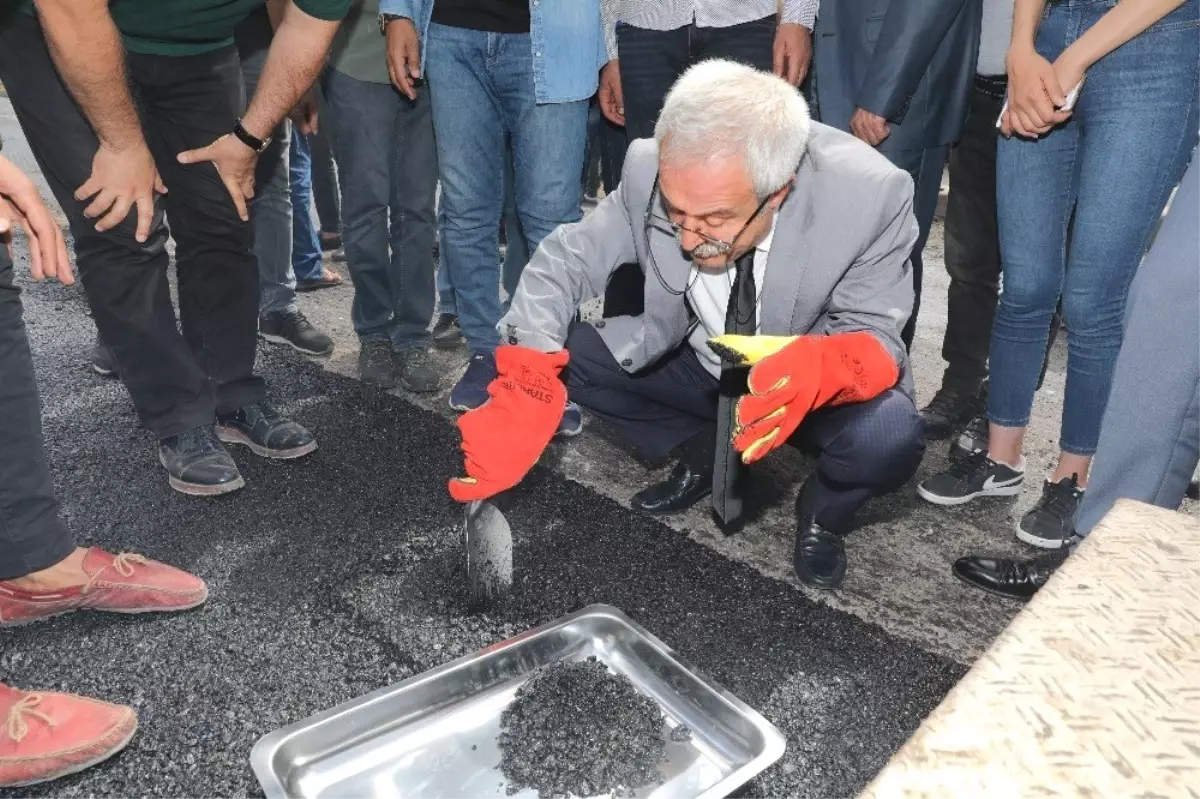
(21, 205)
(404, 56)
(304, 115)
(871, 128)
(235, 164)
(792, 52)
(612, 98)
(503, 438)
(1034, 94)
(120, 180)
(790, 376)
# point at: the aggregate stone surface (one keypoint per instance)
(343, 573)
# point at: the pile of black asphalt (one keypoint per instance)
(343, 573)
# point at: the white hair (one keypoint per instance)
(721, 109)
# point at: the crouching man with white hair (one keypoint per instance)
(777, 283)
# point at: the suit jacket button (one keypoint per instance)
(627, 362)
(599, 323)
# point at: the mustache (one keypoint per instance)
(707, 250)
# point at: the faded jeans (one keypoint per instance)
(482, 95)
(1114, 162)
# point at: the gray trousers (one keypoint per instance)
(1150, 434)
(388, 169)
(271, 207)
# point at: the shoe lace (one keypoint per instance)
(201, 438)
(1060, 500)
(122, 564)
(977, 428)
(478, 364)
(415, 357)
(296, 322)
(16, 723)
(969, 467)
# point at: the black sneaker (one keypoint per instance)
(947, 410)
(375, 364)
(294, 329)
(471, 390)
(1051, 522)
(973, 438)
(974, 476)
(447, 334)
(267, 432)
(414, 371)
(197, 464)
(103, 362)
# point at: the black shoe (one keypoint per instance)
(1193, 490)
(376, 365)
(1051, 523)
(103, 362)
(969, 478)
(329, 243)
(267, 432)
(447, 334)
(1018, 579)
(414, 372)
(471, 390)
(197, 463)
(293, 329)
(819, 557)
(944, 414)
(683, 489)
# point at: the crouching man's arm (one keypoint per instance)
(503, 439)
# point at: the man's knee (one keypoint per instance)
(882, 445)
(591, 362)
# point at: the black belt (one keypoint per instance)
(995, 85)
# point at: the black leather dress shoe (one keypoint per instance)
(683, 489)
(197, 463)
(266, 431)
(820, 556)
(1016, 579)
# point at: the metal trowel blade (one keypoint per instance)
(489, 548)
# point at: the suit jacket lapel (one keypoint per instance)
(788, 258)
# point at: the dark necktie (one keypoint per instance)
(741, 316)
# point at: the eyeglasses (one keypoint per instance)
(723, 247)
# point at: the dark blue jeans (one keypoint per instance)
(482, 94)
(385, 152)
(1114, 164)
(306, 247)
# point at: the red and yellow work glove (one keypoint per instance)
(503, 438)
(791, 376)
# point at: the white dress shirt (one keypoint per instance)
(667, 15)
(709, 297)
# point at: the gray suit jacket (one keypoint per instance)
(912, 62)
(838, 260)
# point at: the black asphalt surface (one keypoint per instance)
(337, 575)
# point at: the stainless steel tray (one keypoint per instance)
(434, 735)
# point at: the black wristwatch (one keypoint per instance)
(249, 139)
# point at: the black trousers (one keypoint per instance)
(32, 536)
(973, 244)
(177, 380)
(651, 62)
(862, 450)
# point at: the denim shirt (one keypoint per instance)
(566, 36)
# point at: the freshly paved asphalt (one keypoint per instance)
(343, 573)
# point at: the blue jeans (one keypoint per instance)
(1114, 163)
(306, 247)
(1150, 439)
(385, 151)
(482, 93)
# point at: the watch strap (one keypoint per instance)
(249, 139)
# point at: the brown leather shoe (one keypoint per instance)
(44, 736)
